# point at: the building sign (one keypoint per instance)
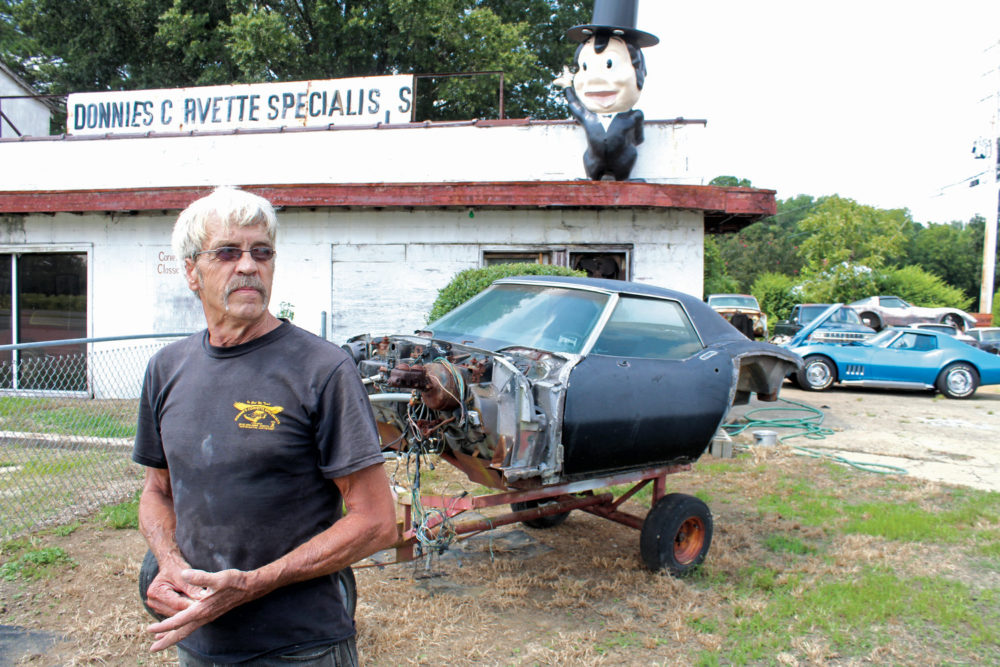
(341, 102)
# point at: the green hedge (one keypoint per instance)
(776, 294)
(467, 284)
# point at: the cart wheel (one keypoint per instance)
(676, 534)
(148, 572)
(542, 522)
(150, 568)
(348, 589)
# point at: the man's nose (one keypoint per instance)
(246, 263)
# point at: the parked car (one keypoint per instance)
(730, 305)
(896, 358)
(843, 326)
(986, 338)
(548, 378)
(879, 312)
(948, 329)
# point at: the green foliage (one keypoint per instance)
(133, 44)
(841, 230)
(122, 515)
(996, 308)
(467, 284)
(921, 288)
(842, 282)
(715, 279)
(35, 564)
(776, 294)
(731, 182)
(770, 245)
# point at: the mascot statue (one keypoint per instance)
(607, 84)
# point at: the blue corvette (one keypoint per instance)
(896, 358)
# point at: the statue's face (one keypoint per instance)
(605, 81)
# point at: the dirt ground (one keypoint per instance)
(572, 595)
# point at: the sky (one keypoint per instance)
(878, 101)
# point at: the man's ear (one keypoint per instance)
(191, 275)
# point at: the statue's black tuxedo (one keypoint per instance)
(612, 150)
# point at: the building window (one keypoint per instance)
(43, 297)
(600, 264)
(497, 257)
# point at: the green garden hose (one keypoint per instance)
(811, 427)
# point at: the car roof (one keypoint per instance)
(709, 323)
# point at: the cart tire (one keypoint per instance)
(676, 534)
(542, 522)
(147, 572)
(150, 568)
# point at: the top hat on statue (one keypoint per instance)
(617, 18)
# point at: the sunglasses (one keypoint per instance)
(232, 254)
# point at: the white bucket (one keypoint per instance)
(765, 438)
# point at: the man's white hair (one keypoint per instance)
(231, 205)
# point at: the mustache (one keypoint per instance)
(242, 282)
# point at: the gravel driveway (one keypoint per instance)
(932, 437)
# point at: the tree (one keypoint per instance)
(94, 45)
(952, 251)
(843, 231)
(770, 245)
(715, 279)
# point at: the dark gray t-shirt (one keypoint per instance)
(252, 436)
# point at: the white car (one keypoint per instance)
(879, 312)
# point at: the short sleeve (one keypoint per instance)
(148, 447)
(346, 434)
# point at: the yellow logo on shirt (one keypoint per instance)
(258, 415)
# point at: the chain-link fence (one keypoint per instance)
(67, 421)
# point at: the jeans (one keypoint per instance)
(341, 654)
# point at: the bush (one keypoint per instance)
(776, 294)
(996, 308)
(922, 288)
(467, 284)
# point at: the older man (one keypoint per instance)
(254, 433)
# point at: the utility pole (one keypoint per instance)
(988, 148)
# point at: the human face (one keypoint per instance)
(236, 291)
(605, 82)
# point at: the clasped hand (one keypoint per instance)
(191, 600)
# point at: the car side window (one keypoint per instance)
(648, 328)
(914, 341)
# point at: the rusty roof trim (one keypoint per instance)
(727, 208)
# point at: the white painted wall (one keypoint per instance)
(371, 271)
(542, 152)
(30, 117)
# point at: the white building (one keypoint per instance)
(374, 220)
(20, 113)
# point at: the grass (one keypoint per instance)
(81, 417)
(121, 516)
(811, 563)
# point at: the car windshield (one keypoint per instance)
(733, 301)
(843, 316)
(882, 338)
(555, 319)
(991, 336)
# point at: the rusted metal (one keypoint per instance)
(578, 495)
(743, 209)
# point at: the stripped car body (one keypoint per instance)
(546, 380)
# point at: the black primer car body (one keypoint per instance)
(550, 379)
